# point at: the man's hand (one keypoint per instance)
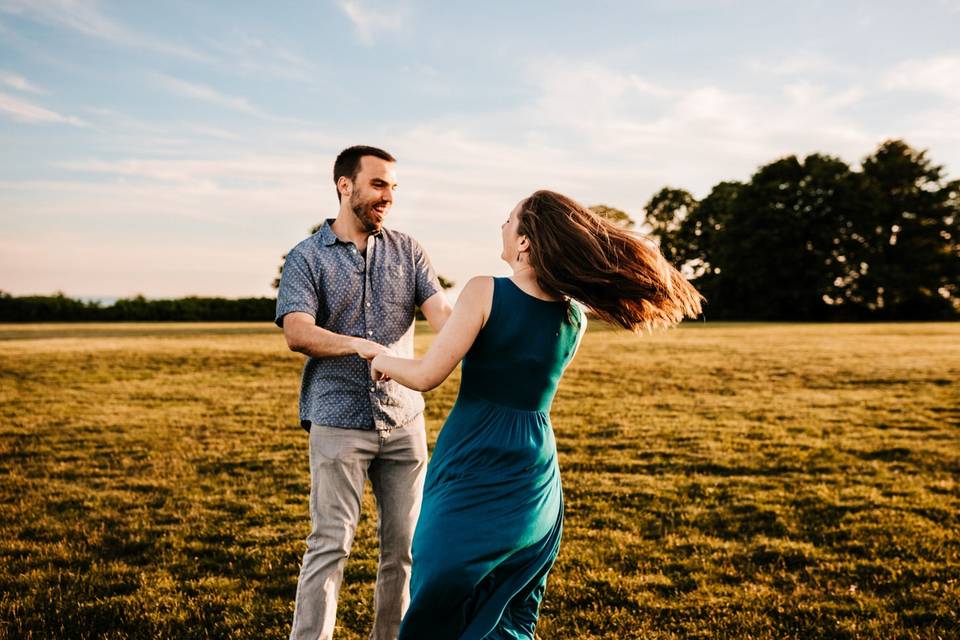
(368, 350)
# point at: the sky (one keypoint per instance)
(180, 148)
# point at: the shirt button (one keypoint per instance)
(372, 388)
(369, 333)
(368, 305)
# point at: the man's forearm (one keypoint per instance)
(318, 342)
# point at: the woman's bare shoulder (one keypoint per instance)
(477, 294)
(477, 287)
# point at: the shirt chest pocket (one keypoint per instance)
(397, 287)
(396, 303)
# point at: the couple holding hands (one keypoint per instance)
(466, 541)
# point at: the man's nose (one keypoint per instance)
(388, 195)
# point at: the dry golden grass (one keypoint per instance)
(721, 481)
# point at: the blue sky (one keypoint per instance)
(180, 148)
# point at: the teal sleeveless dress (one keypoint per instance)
(489, 528)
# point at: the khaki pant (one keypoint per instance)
(340, 462)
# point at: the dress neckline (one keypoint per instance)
(517, 287)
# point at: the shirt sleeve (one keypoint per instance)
(427, 282)
(298, 287)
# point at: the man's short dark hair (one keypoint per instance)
(348, 162)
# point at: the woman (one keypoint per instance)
(489, 528)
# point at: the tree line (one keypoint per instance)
(60, 308)
(810, 239)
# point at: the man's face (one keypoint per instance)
(372, 194)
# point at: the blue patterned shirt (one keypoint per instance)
(371, 297)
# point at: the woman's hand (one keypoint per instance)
(375, 373)
(447, 349)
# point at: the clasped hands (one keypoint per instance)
(369, 350)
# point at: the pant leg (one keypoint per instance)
(339, 459)
(397, 477)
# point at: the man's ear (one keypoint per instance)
(344, 186)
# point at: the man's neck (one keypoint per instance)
(349, 229)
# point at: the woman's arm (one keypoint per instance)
(448, 348)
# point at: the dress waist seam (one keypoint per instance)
(473, 396)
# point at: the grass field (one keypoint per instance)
(721, 481)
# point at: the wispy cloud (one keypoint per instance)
(251, 53)
(799, 63)
(688, 130)
(123, 124)
(937, 75)
(252, 169)
(210, 132)
(580, 93)
(206, 93)
(85, 17)
(19, 83)
(236, 52)
(22, 111)
(369, 20)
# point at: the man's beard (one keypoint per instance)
(363, 212)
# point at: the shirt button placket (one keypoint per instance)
(367, 321)
(366, 288)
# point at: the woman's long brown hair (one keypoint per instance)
(620, 276)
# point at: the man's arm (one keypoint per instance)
(437, 310)
(304, 336)
(429, 293)
(298, 301)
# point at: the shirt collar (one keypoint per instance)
(328, 237)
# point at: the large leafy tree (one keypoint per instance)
(908, 236)
(777, 259)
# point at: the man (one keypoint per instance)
(348, 293)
